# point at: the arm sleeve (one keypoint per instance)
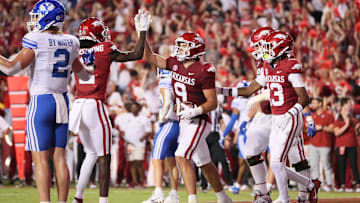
(231, 123)
(296, 80)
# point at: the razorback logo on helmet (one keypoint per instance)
(280, 36)
(93, 29)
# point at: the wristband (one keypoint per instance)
(297, 108)
(234, 92)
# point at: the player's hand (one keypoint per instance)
(88, 57)
(243, 128)
(189, 112)
(142, 20)
(311, 130)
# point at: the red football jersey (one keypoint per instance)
(95, 88)
(282, 93)
(188, 83)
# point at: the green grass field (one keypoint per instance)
(29, 194)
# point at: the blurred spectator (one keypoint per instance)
(136, 130)
(322, 143)
(345, 129)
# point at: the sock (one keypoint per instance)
(221, 195)
(303, 187)
(237, 184)
(281, 179)
(297, 177)
(192, 199)
(85, 172)
(259, 173)
(269, 187)
(158, 190)
(173, 192)
(103, 200)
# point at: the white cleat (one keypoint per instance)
(155, 198)
(172, 198)
(281, 201)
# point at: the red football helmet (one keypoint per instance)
(257, 40)
(189, 45)
(93, 29)
(277, 44)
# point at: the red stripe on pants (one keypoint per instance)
(108, 127)
(287, 140)
(292, 137)
(102, 124)
(194, 138)
(202, 131)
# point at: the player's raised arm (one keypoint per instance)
(154, 59)
(21, 61)
(137, 54)
(142, 24)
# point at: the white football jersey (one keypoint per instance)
(54, 56)
(165, 82)
(240, 103)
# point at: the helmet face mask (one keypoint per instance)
(45, 14)
(189, 46)
(257, 41)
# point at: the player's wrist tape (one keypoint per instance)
(234, 92)
(247, 119)
(297, 108)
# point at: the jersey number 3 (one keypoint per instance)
(278, 92)
(58, 73)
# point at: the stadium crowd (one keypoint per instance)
(327, 42)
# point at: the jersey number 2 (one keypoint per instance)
(61, 64)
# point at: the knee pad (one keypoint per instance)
(254, 160)
(302, 165)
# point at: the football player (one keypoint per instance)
(193, 84)
(165, 142)
(288, 96)
(52, 55)
(88, 116)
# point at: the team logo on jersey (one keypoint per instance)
(175, 67)
(46, 6)
(211, 69)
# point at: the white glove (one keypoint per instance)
(188, 112)
(142, 20)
